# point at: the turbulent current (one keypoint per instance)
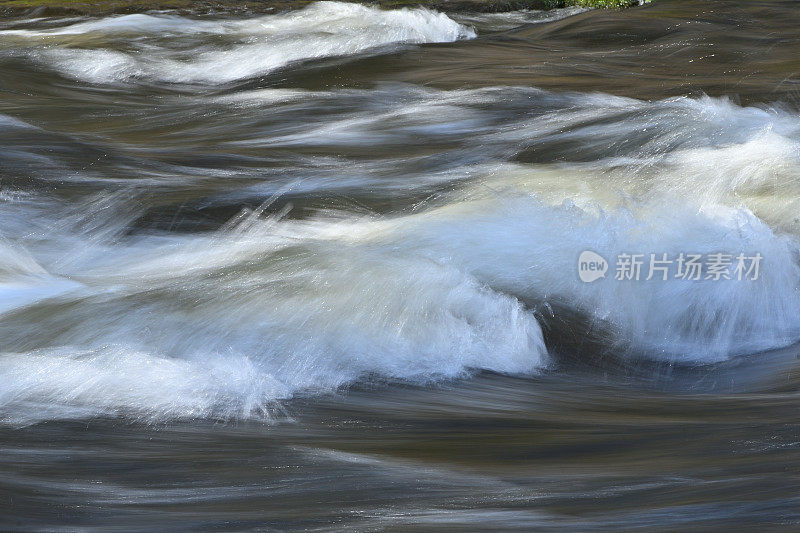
(327, 239)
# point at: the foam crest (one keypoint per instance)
(530, 249)
(224, 327)
(172, 49)
(171, 325)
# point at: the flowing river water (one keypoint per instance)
(318, 270)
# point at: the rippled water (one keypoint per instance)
(318, 270)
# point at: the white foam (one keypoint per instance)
(134, 24)
(223, 325)
(530, 249)
(160, 47)
(118, 381)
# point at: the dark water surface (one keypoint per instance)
(317, 271)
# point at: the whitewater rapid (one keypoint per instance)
(173, 49)
(493, 194)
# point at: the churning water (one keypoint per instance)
(319, 269)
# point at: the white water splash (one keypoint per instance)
(173, 49)
(222, 325)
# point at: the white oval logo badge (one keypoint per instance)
(591, 266)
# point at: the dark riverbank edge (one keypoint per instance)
(40, 8)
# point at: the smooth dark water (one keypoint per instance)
(317, 271)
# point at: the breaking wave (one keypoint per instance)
(173, 49)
